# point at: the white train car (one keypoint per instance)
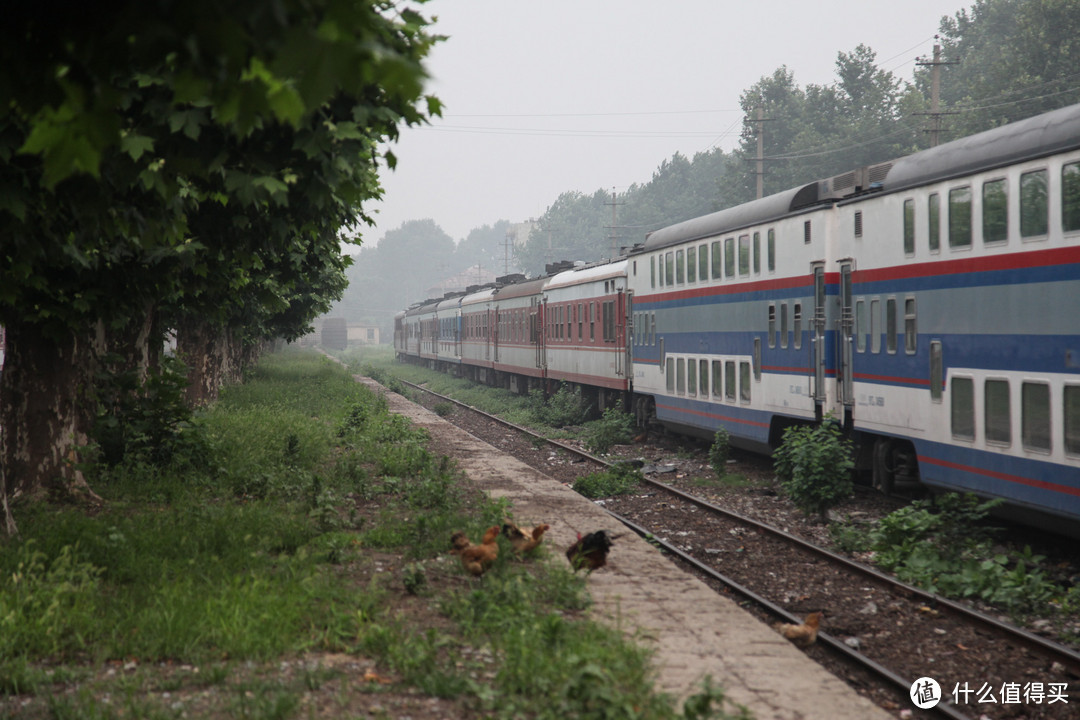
(586, 328)
(476, 361)
(517, 343)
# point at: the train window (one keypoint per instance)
(783, 325)
(661, 270)
(1034, 204)
(937, 370)
(569, 322)
(653, 328)
(652, 271)
(858, 223)
(960, 217)
(691, 264)
(909, 227)
(717, 379)
(933, 218)
(1035, 416)
(669, 272)
(772, 325)
(680, 267)
(592, 320)
(744, 382)
(580, 322)
(680, 376)
(1070, 197)
(860, 325)
(691, 377)
(744, 255)
(671, 378)
(910, 326)
(772, 249)
(962, 398)
(757, 359)
(717, 260)
(1072, 419)
(995, 211)
(703, 262)
(996, 412)
(797, 323)
(729, 380)
(875, 328)
(729, 257)
(806, 232)
(703, 377)
(757, 253)
(890, 325)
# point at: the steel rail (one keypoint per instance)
(1047, 648)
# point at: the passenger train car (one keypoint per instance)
(928, 304)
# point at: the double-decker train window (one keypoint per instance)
(909, 227)
(962, 399)
(671, 378)
(1035, 416)
(890, 325)
(652, 271)
(680, 268)
(757, 253)
(860, 325)
(717, 260)
(772, 249)
(875, 328)
(729, 380)
(937, 371)
(691, 377)
(783, 325)
(691, 264)
(661, 256)
(1070, 197)
(995, 211)
(910, 326)
(744, 382)
(772, 325)
(729, 257)
(717, 379)
(960, 217)
(703, 262)
(703, 377)
(997, 412)
(796, 320)
(744, 255)
(1072, 419)
(680, 376)
(669, 273)
(1034, 204)
(933, 220)
(757, 359)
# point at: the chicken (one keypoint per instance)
(802, 635)
(590, 551)
(476, 559)
(524, 540)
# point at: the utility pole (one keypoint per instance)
(760, 152)
(508, 242)
(935, 93)
(614, 225)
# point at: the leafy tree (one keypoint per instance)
(160, 159)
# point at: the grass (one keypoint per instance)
(313, 527)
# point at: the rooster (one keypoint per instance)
(524, 540)
(476, 559)
(803, 635)
(590, 551)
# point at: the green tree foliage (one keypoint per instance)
(1011, 59)
(164, 163)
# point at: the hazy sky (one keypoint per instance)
(545, 96)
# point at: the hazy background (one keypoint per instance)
(546, 97)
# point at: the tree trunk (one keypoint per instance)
(203, 349)
(46, 411)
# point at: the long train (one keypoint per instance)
(930, 304)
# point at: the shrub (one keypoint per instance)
(565, 407)
(718, 453)
(614, 428)
(620, 479)
(814, 464)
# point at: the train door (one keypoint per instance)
(495, 334)
(627, 348)
(845, 373)
(536, 331)
(817, 345)
(619, 306)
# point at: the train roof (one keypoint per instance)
(588, 273)
(479, 295)
(529, 287)
(731, 219)
(1027, 139)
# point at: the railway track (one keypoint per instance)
(887, 629)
